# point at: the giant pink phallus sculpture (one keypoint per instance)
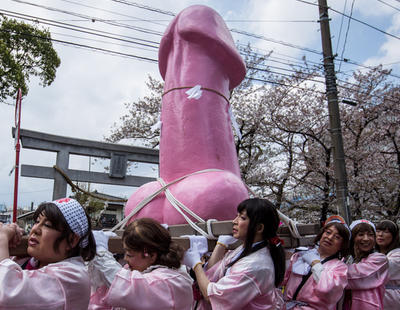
(196, 134)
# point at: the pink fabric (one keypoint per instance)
(162, 288)
(392, 295)
(323, 294)
(60, 286)
(367, 281)
(249, 283)
(197, 48)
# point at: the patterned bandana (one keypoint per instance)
(355, 223)
(75, 216)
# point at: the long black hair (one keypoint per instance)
(262, 211)
(393, 228)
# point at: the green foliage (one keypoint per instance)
(92, 205)
(25, 51)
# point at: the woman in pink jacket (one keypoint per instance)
(152, 278)
(316, 278)
(387, 242)
(247, 277)
(59, 242)
(368, 270)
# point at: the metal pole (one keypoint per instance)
(17, 151)
(334, 116)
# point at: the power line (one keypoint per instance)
(232, 30)
(341, 25)
(112, 12)
(169, 13)
(155, 61)
(275, 41)
(85, 30)
(347, 32)
(140, 29)
(269, 21)
(355, 19)
(393, 7)
(365, 24)
(85, 46)
(92, 32)
(145, 7)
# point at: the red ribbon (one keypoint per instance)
(276, 241)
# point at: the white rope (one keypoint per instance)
(290, 224)
(180, 207)
(286, 220)
(149, 198)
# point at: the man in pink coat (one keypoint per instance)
(316, 278)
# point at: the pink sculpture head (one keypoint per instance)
(197, 49)
(205, 33)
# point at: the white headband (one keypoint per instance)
(338, 219)
(355, 223)
(75, 216)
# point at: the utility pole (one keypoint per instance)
(334, 116)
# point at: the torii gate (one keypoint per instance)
(65, 146)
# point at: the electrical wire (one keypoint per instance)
(288, 64)
(85, 30)
(139, 29)
(84, 46)
(393, 7)
(112, 12)
(347, 32)
(340, 29)
(173, 14)
(355, 19)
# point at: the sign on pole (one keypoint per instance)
(17, 150)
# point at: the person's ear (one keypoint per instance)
(260, 228)
(73, 241)
(153, 257)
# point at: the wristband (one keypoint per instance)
(224, 245)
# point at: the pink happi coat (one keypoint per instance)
(60, 286)
(158, 287)
(367, 280)
(324, 294)
(391, 300)
(248, 284)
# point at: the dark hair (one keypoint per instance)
(393, 228)
(262, 211)
(147, 235)
(360, 228)
(54, 215)
(343, 232)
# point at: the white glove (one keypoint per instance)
(200, 241)
(316, 271)
(311, 256)
(192, 256)
(101, 237)
(226, 240)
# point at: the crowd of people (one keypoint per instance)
(69, 267)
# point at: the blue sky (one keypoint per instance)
(91, 88)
